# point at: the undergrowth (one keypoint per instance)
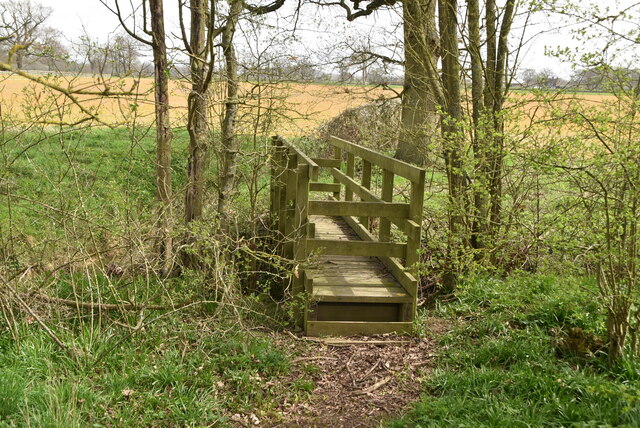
(187, 369)
(501, 366)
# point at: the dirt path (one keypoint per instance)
(359, 382)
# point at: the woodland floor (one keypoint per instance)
(359, 382)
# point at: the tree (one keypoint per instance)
(419, 117)
(155, 36)
(125, 52)
(21, 25)
(51, 48)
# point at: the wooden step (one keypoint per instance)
(365, 293)
(349, 328)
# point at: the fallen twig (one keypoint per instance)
(375, 386)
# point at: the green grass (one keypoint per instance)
(174, 373)
(190, 368)
(95, 174)
(498, 367)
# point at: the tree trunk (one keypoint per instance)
(19, 59)
(419, 117)
(480, 185)
(163, 134)
(197, 113)
(229, 138)
(497, 151)
(452, 141)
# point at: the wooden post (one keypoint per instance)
(283, 160)
(290, 200)
(351, 169)
(415, 215)
(366, 183)
(276, 179)
(387, 196)
(301, 221)
(337, 154)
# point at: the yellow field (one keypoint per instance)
(294, 108)
(287, 109)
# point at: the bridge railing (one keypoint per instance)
(295, 175)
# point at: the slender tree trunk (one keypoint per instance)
(19, 59)
(419, 117)
(451, 137)
(163, 134)
(497, 152)
(480, 185)
(197, 113)
(229, 138)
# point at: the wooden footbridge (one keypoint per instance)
(353, 244)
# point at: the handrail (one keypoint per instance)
(302, 155)
(398, 167)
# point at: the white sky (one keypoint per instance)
(70, 16)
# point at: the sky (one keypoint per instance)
(316, 29)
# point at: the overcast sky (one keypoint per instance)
(316, 29)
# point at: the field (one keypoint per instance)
(215, 346)
(298, 107)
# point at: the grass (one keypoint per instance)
(499, 366)
(175, 373)
(188, 368)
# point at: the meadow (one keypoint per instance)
(214, 346)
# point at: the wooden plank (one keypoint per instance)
(324, 187)
(355, 293)
(351, 169)
(350, 311)
(384, 234)
(303, 158)
(355, 281)
(352, 208)
(337, 154)
(356, 248)
(348, 328)
(366, 183)
(416, 202)
(327, 163)
(291, 183)
(396, 166)
(408, 281)
(353, 186)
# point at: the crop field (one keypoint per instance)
(297, 107)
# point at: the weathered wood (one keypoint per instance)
(337, 154)
(366, 183)
(352, 208)
(356, 248)
(415, 214)
(353, 186)
(348, 328)
(324, 187)
(396, 166)
(303, 158)
(356, 293)
(384, 234)
(356, 283)
(289, 205)
(356, 311)
(408, 281)
(351, 169)
(327, 163)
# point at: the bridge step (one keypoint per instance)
(360, 292)
(348, 328)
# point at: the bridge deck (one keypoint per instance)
(352, 292)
